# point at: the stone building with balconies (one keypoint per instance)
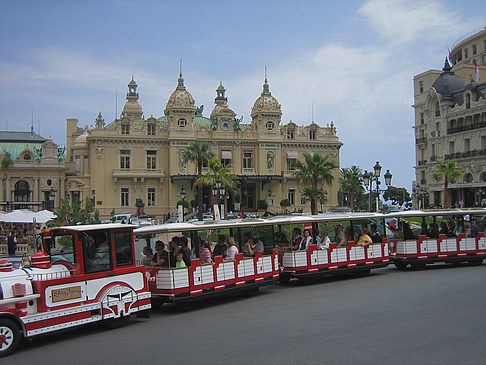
(450, 124)
(136, 159)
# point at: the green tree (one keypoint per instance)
(315, 170)
(5, 165)
(197, 152)
(320, 195)
(62, 214)
(351, 181)
(450, 172)
(218, 171)
(284, 203)
(397, 195)
(96, 218)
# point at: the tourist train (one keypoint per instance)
(88, 273)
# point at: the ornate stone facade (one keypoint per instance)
(136, 158)
(450, 124)
(36, 178)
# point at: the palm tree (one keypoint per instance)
(315, 169)
(351, 181)
(197, 152)
(5, 165)
(218, 171)
(450, 172)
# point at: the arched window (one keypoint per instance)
(21, 191)
(27, 156)
(483, 177)
(468, 178)
(468, 101)
(437, 109)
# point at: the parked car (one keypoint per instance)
(119, 218)
(174, 219)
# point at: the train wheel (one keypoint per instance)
(419, 266)
(113, 323)
(9, 337)
(284, 279)
(364, 272)
(400, 265)
(476, 261)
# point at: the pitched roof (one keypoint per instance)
(15, 137)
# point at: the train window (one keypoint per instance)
(97, 251)
(123, 248)
(61, 249)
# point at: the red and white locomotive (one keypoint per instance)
(83, 274)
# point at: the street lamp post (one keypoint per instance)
(370, 177)
(219, 191)
(183, 198)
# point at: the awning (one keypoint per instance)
(293, 155)
(226, 155)
(467, 185)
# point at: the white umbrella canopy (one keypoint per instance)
(26, 216)
(44, 215)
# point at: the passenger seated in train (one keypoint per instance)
(451, 229)
(407, 231)
(337, 229)
(161, 256)
(341, 240)
(307, 241)
(474, 229)
(322, 240)
(188, 255)
(443, 228)
(147, 256)
(296, 239)
(374, 234)
(433, 231)
(248, 247)
(97, 251)
(220, 248)
(232, 249)
(174, 248)
(351, 235)
(180, 260)
(205, 253)
(364, 239)
(259, 243)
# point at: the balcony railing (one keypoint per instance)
(469, 154)
(464, 128)
(137, 172)
(248, 171)
(421, 140)
(422, 162)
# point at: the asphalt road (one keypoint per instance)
(436, 316)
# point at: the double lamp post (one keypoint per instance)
(370, 177)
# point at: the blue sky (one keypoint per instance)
(351, 62)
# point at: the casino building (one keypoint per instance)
(136, 160)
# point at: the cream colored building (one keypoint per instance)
(140, 158)
(450, 125)
(36, 179)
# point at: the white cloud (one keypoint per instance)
(404, 21)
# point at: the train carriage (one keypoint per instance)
(315, 261)
(170, 284)
(420, 250)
